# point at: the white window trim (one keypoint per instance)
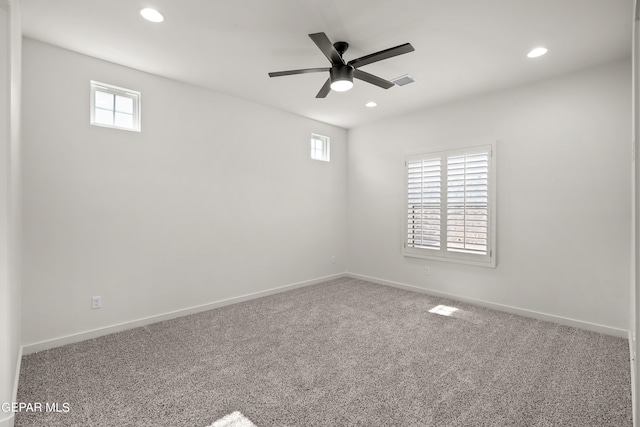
(116, 90)
(443, 254)
(327, 147)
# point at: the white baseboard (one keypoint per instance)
(633, 380)
(8, 421)
(622, 333)
(95, 333)
(16, 377)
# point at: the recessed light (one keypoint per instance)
(370, 104)
(536, 52)
(151, 15)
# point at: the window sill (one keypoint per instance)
(489, 263)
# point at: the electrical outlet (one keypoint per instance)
(333, 259)
(427, 271)
(96, 302)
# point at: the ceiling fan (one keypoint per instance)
(341, 73)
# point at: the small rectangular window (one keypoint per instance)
(115, 107)
(319, 147)
(450, 205)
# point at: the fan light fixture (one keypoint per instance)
(341, 77)
(151, 15)
(341, 85)
(538, 51)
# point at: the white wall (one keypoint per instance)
(215, 198)
(5, 288)
(10, 48)
(634, 292)
(564, 221)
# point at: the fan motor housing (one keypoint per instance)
(341, 72)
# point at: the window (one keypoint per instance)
(319, 147)
(450, 205)
(115, 107)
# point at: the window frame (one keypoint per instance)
(326, 147)
(135, 96)
(443, 254)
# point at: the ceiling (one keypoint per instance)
(463, 48)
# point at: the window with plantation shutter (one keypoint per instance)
(450, 205)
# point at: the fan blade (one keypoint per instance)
(325, 89)
(370, 78)
(383, 54)
(304, 71)
(324, 44)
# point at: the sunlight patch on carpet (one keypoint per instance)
(445, 310)
(234, 419)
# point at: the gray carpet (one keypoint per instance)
(341, 353)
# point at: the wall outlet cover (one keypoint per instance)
(96, 302)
